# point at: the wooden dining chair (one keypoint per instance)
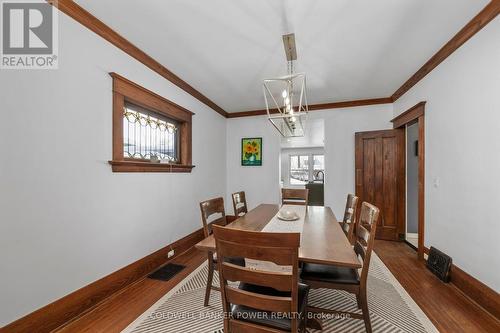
(209, 208)
(264, 301)
(239, 203)
(294, 196)
(348, 279)
(349, 221)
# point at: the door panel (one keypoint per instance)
(380, 178)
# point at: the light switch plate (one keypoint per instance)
(436, 182)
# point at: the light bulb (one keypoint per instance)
(293, 119)
(287, 101)
(284, 94)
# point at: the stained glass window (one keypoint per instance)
(148, 135)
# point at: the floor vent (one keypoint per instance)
(166, 272)
(439, 264)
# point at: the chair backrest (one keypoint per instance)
(292, 196)
(239, 203)
(365, 236)
(279, 248)
(349, 220)
(208, 209)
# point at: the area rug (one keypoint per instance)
(391, 308)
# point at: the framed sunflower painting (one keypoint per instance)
(251, 151)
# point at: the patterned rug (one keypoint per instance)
(391, 308)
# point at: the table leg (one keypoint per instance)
(315, 323)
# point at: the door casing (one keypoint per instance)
(417, 113)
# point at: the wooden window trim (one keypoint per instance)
(124, 91)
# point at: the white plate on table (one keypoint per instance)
(287, 215)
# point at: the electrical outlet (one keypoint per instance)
(171, 253)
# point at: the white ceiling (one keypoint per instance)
(349, 49)
(314, 136)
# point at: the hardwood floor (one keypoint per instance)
(445, 305)
(118, 311)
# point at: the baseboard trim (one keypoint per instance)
(411, 245)
(474, 289)
(63, 310)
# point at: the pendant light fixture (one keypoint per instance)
(285, 97)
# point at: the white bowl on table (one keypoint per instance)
(287, 215)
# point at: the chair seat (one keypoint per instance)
(265, 318)
(328, 273)
(234, 261)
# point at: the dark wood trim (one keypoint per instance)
(409, 115)
(470, 29)
(92, 23)
(474, 289)
(82, 16)
(401, 184)
(421, 186)
(449, 309)
(124, 91)
(85, 18)
(417, 112)
(350, 104)
(480, 293)
(140, 166)
(65, 309)
(117, 132)
(315, 107)
(149, 99)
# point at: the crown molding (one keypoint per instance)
(316, 107)
(83, 17)
(70, 8)
(486, 15)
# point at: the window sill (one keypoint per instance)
(138, 166)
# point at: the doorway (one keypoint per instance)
(380, 178)
(415, 116)
(302, 161)
(411, 234)
(390, 173)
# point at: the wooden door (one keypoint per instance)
(380, 178)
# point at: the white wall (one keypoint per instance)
(340, 127)
(66, 219)
(463, 154)
(262, 183)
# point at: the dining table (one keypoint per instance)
(322, 240)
